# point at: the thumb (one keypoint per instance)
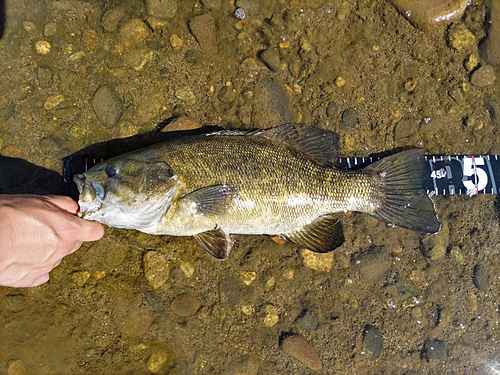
(90, 230)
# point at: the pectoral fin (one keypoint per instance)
(322, 235)
(212, 200)
(217, 243)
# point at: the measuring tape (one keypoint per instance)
(450, 175)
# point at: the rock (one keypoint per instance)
(483, 76)
(435, 246)
(50, 29)
(90, 39)
(244, 366)
(53, 101)
(194, 56)
(156, 268)
(186, 95)
(134, 31)
(11, 151)
(175, 41)
(162, 8)
(399, 291)
(321, 262)
(115, 255)
(16, 367)
(272, 316)
(372, 263)
(433, 350)
(203, 29)
(112, 17)
(185, 304)
(107, 106)
(460, 37)
(480, 277)
(138, 58)
(215, 5)
(490, 49)
(157, 361)
(331, 109)
(349, 119)
(307, 320)
(182, 123)
(427, 13)
(80, 278)
(271, 57)
(372, 341)
(297, 347)
(271, 106)
(42, 47)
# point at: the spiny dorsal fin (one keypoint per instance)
(217, 243)
(322, 235)
(319, 145)
(211, 200)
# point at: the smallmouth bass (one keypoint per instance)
(279, 181)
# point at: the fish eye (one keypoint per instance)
(110, 171)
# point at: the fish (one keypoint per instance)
(281, 181)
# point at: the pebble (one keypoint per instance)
(433, 350)
(186, 95)
(297, 347)
(187, 268)
(248, 277)
(138, 58)
(271, 106)
(435, 246)
(484, 76)
(162, 8)
(42, 47)
(490, 49)
(186, 304)
(212, 4)
(307, 320)
(80, 278)
(107, 106)
(53, 101)
(156, 268)
(271, 57)
(182, 123)
(372, 264)
(115, 256)
(16, 367)
(480, 277)
(321, 262)
(157, 361)
(349, 119)
(428, 13)
(460, 37)
(272, 316)
(372, 341)
(203, 29)
(175, 41)
(245, 366)
(11, 151)
(134, 31)
(50, 29)
(112, 17)
(194, 56)
(90, 39)
(29, 26)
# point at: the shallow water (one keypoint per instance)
(393, 301)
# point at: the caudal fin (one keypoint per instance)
(404, 201)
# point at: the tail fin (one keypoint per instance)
(404, 201)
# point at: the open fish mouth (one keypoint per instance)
(91, 196)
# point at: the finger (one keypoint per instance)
(39, 280)
(90, 231)
(64, 203)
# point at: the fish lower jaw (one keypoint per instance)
(88, 208)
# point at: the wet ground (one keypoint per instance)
(76, 73)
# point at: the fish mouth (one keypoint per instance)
(91, 196)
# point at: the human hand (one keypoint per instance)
(36, 232)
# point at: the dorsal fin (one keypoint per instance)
(319, 145)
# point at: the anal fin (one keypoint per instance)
(322, 235)
(215, 242)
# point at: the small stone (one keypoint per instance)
(29, 26)
(182, 123)
(490, 49)
(115, 256)
(77, 130)
(50, 29)
(49, 144)
(349, 119)
(11, 151)
(212, 4)
(90, 39)
(289, 274)
(107, 106)
(307, 320)
(194, 56)
(162, 8)
(16, 367)
(433, 350)
(248, 277)
(272, 316)
(297, 347)
(321, 262)
(271, 57)
(484, 76)
(186, 304)
(175, 41)
(128, 129)
(157, 24)
(247, 310)
(480, 277)
(203, 29)
(331, 109)
(460, 37)
(340, 82)
(157, 361)
(134, 31)
(372, 341)
(80, 277)
(112, 17)
(53, 101)
(42, 47)
(187, 268)
(186, 95)
(471, 62)
(156, 268)
(435, 246)
(77, 56)
(137, 59)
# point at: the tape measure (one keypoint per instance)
(449, 175)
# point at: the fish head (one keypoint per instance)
(128, 192)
